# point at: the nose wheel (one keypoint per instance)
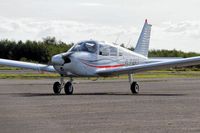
(57, 88)
(68, 87)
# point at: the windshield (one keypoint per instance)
(87, 46)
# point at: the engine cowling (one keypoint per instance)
(60, 59)
(57, 60)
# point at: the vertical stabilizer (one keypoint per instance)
(142, 46)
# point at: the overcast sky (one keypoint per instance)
(176, 23)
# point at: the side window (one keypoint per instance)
(104, 50)
(120, 53)
(113, 51)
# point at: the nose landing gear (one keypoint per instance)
(57, 88)
(68, 87)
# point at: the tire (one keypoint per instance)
(68, 88)
(134, 88)
(57, 88)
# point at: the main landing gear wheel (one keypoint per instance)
(57, 88)
(68, 88)
(134, 88)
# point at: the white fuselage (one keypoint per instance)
(84, 63)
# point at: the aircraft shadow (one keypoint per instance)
(95, 94)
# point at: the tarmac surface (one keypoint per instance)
(166, 105)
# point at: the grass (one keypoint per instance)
(164, 74)
(9, 68)
(171, 73)
(146, 75)
(28, 76)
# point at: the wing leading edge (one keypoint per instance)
(26, 65)
(150, 66)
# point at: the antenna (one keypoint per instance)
(129, 41)
(117, 38)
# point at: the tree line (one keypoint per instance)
(42, 51)
(35, 51)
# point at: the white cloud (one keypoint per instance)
(183, 35)
(190, 29)
(69, 31)
(91, 4)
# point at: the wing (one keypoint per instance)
(150, 66)
(26, 65)
(161, 59)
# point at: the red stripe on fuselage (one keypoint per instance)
(106, 66)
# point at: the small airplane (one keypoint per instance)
(92, 58)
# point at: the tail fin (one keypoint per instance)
(142, 46)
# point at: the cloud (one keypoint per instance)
(69, 31)
(91, 4)
(189, 29)
(183, 35)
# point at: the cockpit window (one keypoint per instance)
(88, 46)
(104, 50)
